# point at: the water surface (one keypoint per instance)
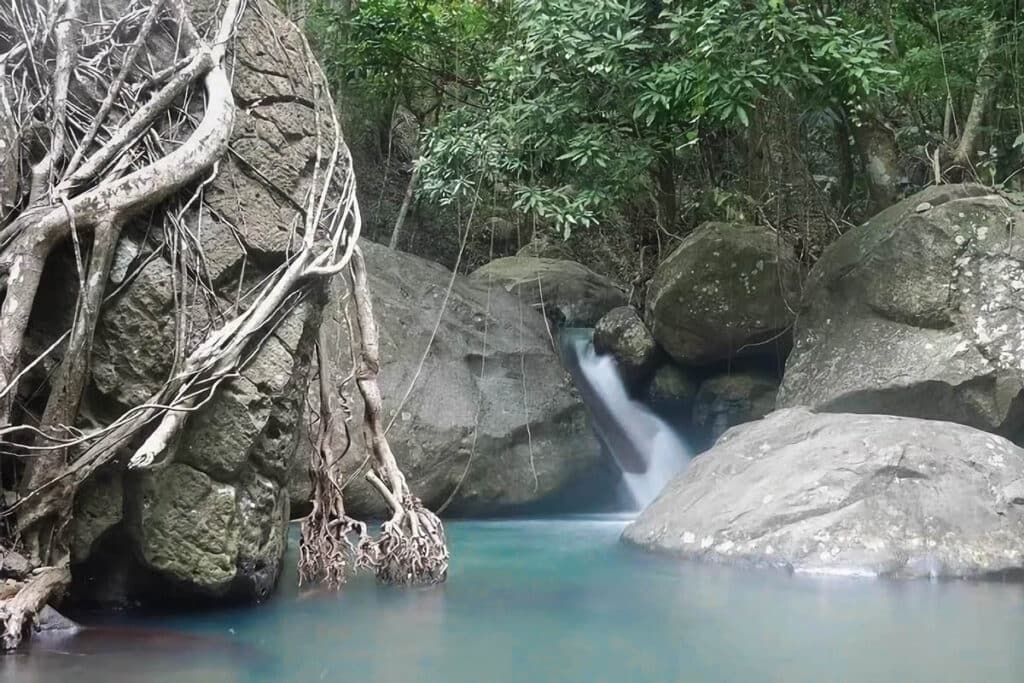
(562, 600)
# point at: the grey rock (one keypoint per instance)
(672, 383)
(184, 524)
(849, 495)
(98, 507)
(565, 291)
(13, 564)
(213, 522)
(729, 400)
(918, 314)
(50, 623)
(492, 420)
(728, 289)
(622, 333)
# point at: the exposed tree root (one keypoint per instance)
(411, 547)
(108, 133)
(18, 612)
(326, 543)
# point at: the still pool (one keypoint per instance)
(561, 600)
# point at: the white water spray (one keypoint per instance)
(647, 449)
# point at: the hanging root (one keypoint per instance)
(325, 546)
(411, 547)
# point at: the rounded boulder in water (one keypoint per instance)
(844, 494)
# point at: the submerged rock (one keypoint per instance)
(622, 333)
(567, 292)
(728, 289)
(918, 312)
(492, 420)
(847, 494)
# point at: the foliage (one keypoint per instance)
(414, 52)
(588, 100)
(569, 112)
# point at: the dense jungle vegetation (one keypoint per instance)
(635, 120)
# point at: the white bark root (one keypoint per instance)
(19, 612)
(411, 547)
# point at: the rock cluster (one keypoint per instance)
(915, 314)
(706, 352)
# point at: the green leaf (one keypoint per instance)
(741, 113)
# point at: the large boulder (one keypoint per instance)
(567, 292)
(847, 494)
(492, 420)
(728, 289)
(213, 523)
(728, 400)
(918, 312)
(622, 333)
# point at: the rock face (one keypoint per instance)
(918, 313)
(847, 494)
(729, 400)
(622, 333)
(492, 421)
(671, 383)
(726, 290)
(568, 292)
(213, 523)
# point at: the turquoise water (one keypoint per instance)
(562, 600)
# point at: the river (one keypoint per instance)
(562, 600)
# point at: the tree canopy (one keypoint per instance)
(571, 111)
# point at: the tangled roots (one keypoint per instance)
(410, 549)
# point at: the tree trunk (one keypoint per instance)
(847, 171)
(666, 207)
(410, 191)
(876, 143)
(984, 87)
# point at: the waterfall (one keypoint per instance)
(648, 451)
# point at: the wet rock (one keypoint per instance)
(847, 494)
(51, 623)
(622, 333)
(728, 289)
(918, 313)
(565, 291)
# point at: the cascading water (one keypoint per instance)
(648, 451)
